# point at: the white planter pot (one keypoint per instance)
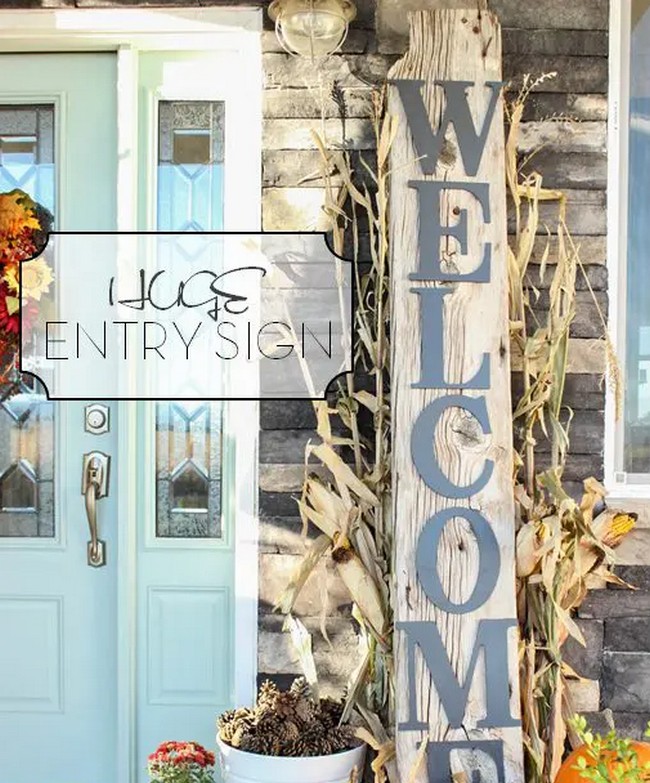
(238, 766)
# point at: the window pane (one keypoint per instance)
(637, 403)
(188, 470)
(188, 434)
(26, 460)
(26, 416)
(27, 151)
(190, 165)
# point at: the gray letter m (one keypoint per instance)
(492, 637)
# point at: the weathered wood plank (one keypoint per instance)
(294, 209)
(303, 168)
(576, 106)
(585, 356)
(322, 588)
(585, 435)
(286, 446)
(576, 43)
(460, 46)
(558, 135)
(296, 103)
(574, 74)
(556, 15)
(587, 323)
(586, 392)
(586, 213)
(282, 477)
(293, 102)
(290, 414)
(358, 41)
(296, 134)
(354, 70)
(596, 275)
(593, 250)
(635, 549)
(578, 466)
(570, 170)
(277, 504)
(277, 655)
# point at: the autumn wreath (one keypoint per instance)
(23, 234)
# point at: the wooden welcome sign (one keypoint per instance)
(456, 636)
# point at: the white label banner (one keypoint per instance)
(187, 316)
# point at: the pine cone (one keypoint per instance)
(254, 742)
(301, 689)
(312, 742)
(225, 717)
(330, 713)
(226, 732)
(287, 723)
(285, 705)
(237, 736)
(341, 738)
(267, 695)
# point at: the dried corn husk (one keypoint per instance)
(349, 502)
(560, 544)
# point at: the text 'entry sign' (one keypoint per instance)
(187, 316)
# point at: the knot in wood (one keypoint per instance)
(467, 432)
(448, 154)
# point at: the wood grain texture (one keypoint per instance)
(454, 45)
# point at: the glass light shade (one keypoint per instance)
(312, 28)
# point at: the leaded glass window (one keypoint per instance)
(190, 165)
(189, 434)
(26, 460)
(26, 415)
(188, 466)
(27, 151)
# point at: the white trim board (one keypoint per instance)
(128, 32)
(96, 29)
(619, 484)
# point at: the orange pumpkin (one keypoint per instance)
(568, 773)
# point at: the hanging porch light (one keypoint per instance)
(312, 28)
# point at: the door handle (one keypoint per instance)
(94, 485)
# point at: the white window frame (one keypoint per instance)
(620, 484)
(127, 31)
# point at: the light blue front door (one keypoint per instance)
(57, 655)
(98, 665)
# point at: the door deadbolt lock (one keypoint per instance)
(97, 418)
(94, 485)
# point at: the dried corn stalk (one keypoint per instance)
(351, 505)
(560, 543)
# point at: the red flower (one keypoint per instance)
(9, 321)
(186, 756)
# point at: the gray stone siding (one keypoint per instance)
(574, 44)
(297, 97)
(541, 36)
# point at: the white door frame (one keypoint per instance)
(126, 31)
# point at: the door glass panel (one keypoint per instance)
(188, 466)
(190, 165)
(189, 434)
(26, 460)
(26, 415)
(27, 151)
